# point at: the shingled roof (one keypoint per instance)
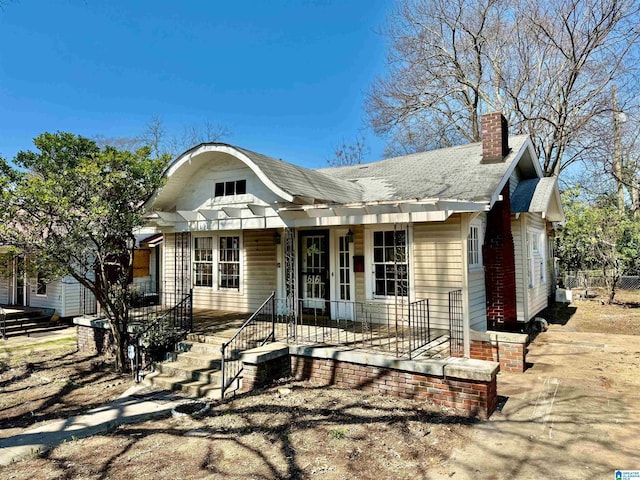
(454, 173)
(303, 182)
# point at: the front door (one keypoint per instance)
(342, 308)
(314, 269)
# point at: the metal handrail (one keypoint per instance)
(241, 340)
(3, 323)
(185, 303)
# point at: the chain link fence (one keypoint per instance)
(595, 279)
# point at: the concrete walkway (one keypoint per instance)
(575, 414)
(137, 404)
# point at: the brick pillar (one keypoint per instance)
(499, 266)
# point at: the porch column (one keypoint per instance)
(290, 268)
(466, 317)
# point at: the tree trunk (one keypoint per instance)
(614, 284)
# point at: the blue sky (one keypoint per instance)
(287, 77)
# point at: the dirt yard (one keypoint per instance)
(575, 414)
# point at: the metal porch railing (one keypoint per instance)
(456, 324)
(3, 323)
(256, 331)
(168, 316)
(397, 329)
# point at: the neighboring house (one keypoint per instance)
(64, 295)
(475, 219)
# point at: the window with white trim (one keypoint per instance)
(41, 285)
(474, 247)
(229, 263)
(217, 253)
(203, 261)
(233, 187)
(390, 267)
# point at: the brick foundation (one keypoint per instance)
(261, 374)
(468, 397)
(95, 340)
(468, 386)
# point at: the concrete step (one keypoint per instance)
(188, 372)
(193, 388)
(199, 360)
(207, 338)
(210, 349)
(27, 326)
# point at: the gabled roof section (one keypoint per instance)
(538, 195)
(290, 182)
(454, 173)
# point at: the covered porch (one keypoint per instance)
(402, 331)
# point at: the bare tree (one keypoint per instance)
(353, 153)
(155, 135)
(547, 65)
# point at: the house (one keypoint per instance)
(470, 228)
(63, 295)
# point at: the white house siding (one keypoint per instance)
(76, 299)
(477, 290)
(258, 277)
(199, 193)
(477, 300)
(358, 248)
(520, 252)
(5, 286)
(437, 265)
(53, 298)
(537, 295)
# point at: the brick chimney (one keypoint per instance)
(495, 137)
(498, 254)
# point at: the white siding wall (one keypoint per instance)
(5, 286)
(65, 295)
(537, 296)
(77, 300)
(437, 265)
(530, 300)
(53, 298)
(520, 252)
(259, 274)
(199, 193)
(477, 290)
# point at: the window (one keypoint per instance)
(203, 261)
(474, 252)
(229, 263)
(233, 187)
(227, 258)
(390, 269)
(41, 287)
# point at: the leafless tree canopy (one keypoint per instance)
(548, 65)
(346, 153)
(155, 135)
